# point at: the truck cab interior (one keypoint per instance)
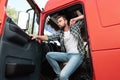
(84, 72)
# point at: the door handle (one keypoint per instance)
(0, 21)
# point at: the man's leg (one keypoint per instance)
(74, 61)
(53, 57)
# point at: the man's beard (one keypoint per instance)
(62, 28)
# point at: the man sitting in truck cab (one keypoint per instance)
(71, 46)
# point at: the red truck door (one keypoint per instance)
(20, 57)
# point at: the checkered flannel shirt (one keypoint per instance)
(75, 31)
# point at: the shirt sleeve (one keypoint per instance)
(76, 29)
(78, 25)
(55, 36)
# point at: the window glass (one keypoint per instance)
(14, 7)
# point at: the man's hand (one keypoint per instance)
(33, 36)
(72, 21)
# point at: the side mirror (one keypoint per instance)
(23, 20)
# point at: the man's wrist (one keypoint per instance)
(37, 37)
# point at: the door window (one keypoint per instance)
(15, 7)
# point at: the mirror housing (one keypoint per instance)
(23, 20)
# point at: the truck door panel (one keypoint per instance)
(20, 57)
(15, 35)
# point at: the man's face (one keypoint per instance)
(61, 22)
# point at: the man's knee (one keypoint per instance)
(48, 55)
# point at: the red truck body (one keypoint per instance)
(103, 26)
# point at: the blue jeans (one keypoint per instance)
(73, 61)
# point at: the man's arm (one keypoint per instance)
(74, 20)
(43, 37)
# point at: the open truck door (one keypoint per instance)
(20, 57)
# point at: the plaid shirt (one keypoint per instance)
(75, 31)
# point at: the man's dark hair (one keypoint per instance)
(62, 16)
